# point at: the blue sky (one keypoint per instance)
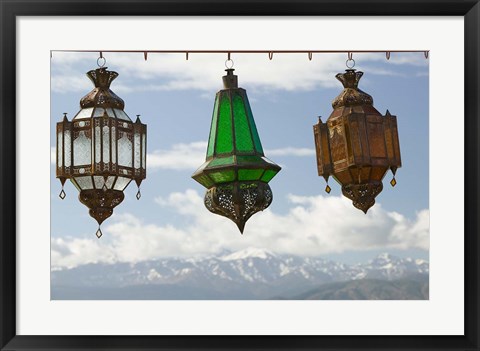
(175, 99)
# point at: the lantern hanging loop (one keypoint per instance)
(350, 63)
(99, 60)
(310, 55)
(229, 63)
(270, 55)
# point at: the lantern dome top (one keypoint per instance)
(351, 95)
(101, 95)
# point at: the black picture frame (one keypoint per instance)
(9, 340)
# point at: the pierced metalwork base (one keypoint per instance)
(362, 195)
(101, 202)
(238, 200)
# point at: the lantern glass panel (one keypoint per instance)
(253, 127)
(224, 134)
(110, 112)
(99, 181)
(67, 148)
(82, 149)
(248, 159)
(205, 181)
(243, 139)
(109, 181)
(124, 151)
(137, 149)
(221, 177)
(121, 183)
(84, 183)
(268, 175)
(99, 112)
(84, 113)
(249, 174)
(121, 114)
(59, 149)
(144, 149)
(106, 144)
(213, 129)
(114, 145)
(98, 147)
(221, 161)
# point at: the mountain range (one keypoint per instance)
(247, 274)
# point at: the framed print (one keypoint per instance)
(315, 190)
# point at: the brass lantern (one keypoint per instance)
(101, 150)
(357, 145)
(236, 172)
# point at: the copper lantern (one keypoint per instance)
(101, 150)
(357, 145)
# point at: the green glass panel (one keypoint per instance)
(213, 129)
(268, 175)
(243, 138)
(220, 161)
(224, 130)
(241, 160)
(204, 180)
(256, 138)
(249, 174)
(222, 177)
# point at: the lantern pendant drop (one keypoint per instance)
(357, 145)
(236, 172)
(101, 150)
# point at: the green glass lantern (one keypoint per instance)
(236, 172)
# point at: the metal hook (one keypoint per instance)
(387, 54)
(350, 56)
(270, 55)
(310, 55)
(101, 54)
(51, 54)
(426, 54)
(186, 55)
(228, 57)
(145, 55)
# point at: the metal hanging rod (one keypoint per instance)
(230, 52)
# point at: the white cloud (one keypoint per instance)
(314, 225)
(202, 71)
(179, 156)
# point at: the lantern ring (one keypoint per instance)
(228, 63)
(103, 62)
(350, 63)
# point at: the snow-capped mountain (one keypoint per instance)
(249, 273)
